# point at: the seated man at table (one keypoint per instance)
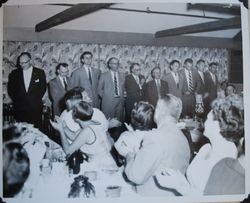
(164, 146)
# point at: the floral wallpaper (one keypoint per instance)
(47, 55)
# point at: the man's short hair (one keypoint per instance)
(86, 53)
(74, 94)
(133, 65)
(172, 62)
(173, 105)
(188, 60)
(152, 71)
(108, 62)
(59, 66)
(213, 63)
(200, 61)
(22, 54)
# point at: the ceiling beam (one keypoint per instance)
(238, 36)
(69, 14)
(223, 24)
(217, 8)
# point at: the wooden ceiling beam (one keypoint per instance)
(71, 13)
(217, 8)
(223, 24)
(238, 36)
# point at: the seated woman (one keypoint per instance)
(142, 116)
(91, 138)
(16, 168)
(225, 128)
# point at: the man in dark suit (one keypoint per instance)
(173, 78)
(189, 84)
(58, 87)
(87, 77)
(133, 86)
(211, 78)
(203, 88)
(111, 91)
(26, 87)
(155, 88)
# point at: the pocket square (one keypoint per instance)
(37, 80)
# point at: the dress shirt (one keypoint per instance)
(27, 73)
(175, 76)
(137, 79)
(61, 79)
(88, 69)
(202, 76)
(213, 77)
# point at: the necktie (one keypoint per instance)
(65, 84)
(177, 80)
(190, 82)
(158, 85)
(90, 78)
(116, 85)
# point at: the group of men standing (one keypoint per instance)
(113, 92)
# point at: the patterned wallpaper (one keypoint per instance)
(48, 55)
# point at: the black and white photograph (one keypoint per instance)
(125, 101)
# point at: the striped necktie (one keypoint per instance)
(190, 82)
(65, 84)
(90, 78)
(116, 84)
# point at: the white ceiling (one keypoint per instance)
(27, 16)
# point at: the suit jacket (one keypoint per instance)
(56, 93)
(174, 88)
(80, 78)
(27, 105)
(110, 105)
(211, 86)
(134, 92)
(151, 94)
(188, 98)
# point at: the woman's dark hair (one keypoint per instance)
(59, 66)
(230, 114)
(142, 116)
(85, 53)
(12, 132)
(16, 168)
(18, 58)
(82, 111)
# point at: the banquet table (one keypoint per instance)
(57, 183)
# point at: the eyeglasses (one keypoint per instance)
(114, 63)
(24, 62)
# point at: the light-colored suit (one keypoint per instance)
(173, 87)
(80, 79)
(111, 106)
(188, 97)
(164, 147)
(57, 93)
